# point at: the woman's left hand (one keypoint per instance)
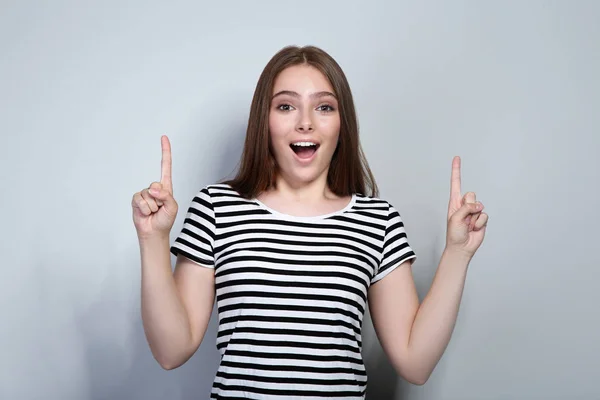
(466, 220)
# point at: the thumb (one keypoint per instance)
(466, 210)
(165, 197)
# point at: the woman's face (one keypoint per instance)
(304, 124)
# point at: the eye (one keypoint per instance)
(325, 108)
(285, 107)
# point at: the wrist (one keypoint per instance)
(456, 255)
(153, 240)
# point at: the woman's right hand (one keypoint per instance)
(154, 208)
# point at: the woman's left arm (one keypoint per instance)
(414, 336)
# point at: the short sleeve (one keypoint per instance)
(395, 249)
(197, 236)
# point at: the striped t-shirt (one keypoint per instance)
(291, 291)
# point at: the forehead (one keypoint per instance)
(302, 79)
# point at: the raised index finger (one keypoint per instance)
(165, 175)
(455, 191)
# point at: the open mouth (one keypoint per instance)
(304, 150)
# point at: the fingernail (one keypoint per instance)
(154, 192)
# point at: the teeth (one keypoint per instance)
(304, 144)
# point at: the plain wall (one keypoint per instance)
(88, 88)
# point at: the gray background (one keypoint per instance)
(87, 88)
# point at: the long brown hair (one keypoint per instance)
(349, 171)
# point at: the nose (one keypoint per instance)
(305, 127)
(305, 123)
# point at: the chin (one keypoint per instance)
(303, 175)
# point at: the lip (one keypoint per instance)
(305, 140)
(304, 160)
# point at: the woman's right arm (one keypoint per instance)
(176, 306)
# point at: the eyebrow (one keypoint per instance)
(295, 94)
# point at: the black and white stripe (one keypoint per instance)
(291, 291)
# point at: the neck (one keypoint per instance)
(312, 191)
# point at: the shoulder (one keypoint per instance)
(217, 190)
(369, 203)
(376, 206)
(222, 195)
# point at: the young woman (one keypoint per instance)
(294, 249)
